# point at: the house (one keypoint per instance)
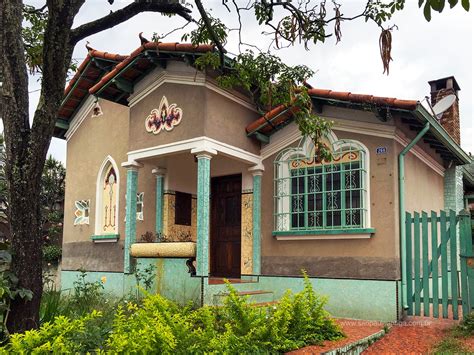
(154, 145)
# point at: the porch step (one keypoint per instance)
(259, 297)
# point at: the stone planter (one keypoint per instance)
(164, 250)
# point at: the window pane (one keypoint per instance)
(297, 198)
(353, 194)
(333, 195)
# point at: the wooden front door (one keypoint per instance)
(226, 207)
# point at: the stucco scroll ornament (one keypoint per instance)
(165, 117)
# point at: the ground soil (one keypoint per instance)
(416, 335)
(354, 329)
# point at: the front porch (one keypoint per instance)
(206, 192)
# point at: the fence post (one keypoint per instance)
(416, 258)
(454, 263)
(435, 254)
(425, 263)
(444, 263)
(409, 260)
(465, 238)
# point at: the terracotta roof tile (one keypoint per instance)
(92, 54)
(166, 47)
(368, 99)
(333, 95)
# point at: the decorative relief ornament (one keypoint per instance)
(164, 118)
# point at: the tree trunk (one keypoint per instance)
(26, 244)
(26, 147)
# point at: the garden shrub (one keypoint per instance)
(52, 254)
(62, 336)
(466, 327)
(159, 325)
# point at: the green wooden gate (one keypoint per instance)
(440, 272)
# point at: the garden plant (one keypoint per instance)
(157, 325)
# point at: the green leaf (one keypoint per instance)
(452, 3)
(437, 5)
(427, 12)
(465, 4)
(420, 2)
(25, 294)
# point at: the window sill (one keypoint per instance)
(360, 233)
(105, 238)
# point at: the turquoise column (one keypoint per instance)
(203, 192)
(160, 180)
(130, 213)
(256, 221)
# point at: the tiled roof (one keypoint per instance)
(87, 74)
(282, 113)
(98, 68)
(93, 53)
(157, 46)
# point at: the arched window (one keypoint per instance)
(312, 195)
(107, 199)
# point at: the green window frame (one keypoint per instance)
(312, 196)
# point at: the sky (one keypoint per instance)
(421, 51)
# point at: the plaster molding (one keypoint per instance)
(163, 77)
(80, 116)
(257, 170)
(291, 133)
(159, 172)
(419, 153)
(132, 165)
(194, 146)
(324, 237)
(204, 155)
(98, 194)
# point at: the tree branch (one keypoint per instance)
(208, 24)
(129, 11)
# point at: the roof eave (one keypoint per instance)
(468, 176)
(422, 115)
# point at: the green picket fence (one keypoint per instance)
(438, 272)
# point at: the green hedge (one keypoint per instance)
(158, 325)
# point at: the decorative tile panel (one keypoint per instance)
(82, 212)
(140, 206)
(247, 238)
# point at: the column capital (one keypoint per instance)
(132, 165)
(158, 171)
(204, 152)
(257, 170)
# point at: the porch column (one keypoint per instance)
(160, 180)
(257, 173)
(203, 192)
(130, 212)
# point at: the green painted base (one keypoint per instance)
(356, 299)
(105, 238)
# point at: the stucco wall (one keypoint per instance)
(88, 147)
(190, 98)
(424, 187)
(374, 258)
(226, 121)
